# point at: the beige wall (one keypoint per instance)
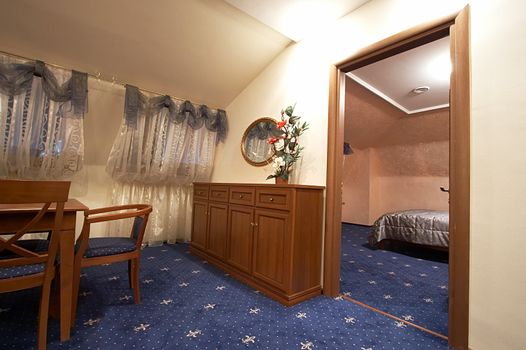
(386, 179)
(300, 74)
(101, 125)
(498, 168)
(356, 199)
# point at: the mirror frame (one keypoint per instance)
(243, 139)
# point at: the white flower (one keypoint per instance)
(278, 163)
(279, 144)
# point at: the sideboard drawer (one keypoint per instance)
(219, 193)
(201, 191)
(242, 195)
(275, 198)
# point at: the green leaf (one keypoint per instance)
(289, 110)
(293, 120)
(270, 177)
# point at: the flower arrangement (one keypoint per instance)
(287, 150)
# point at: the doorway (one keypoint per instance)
(459, 176)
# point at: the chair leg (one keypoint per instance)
(76, 287)
(130, 274)
(43, 315)
(133, 271)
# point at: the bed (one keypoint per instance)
(418, 226)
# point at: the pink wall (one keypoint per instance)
(399, 161)
(355, 198)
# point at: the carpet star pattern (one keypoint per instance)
(142, 327)
(249, 339)
(350, 320)
(307, 345)
(174, 317)
(194, 333)
(409, 281)
(400, 324)
(209, 306)
(91, 322)
(254, 311)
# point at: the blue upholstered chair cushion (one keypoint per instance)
(23, 270)
(104, 246)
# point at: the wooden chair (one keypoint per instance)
(107, 250)
(21, 266)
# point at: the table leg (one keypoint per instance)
(67, 242)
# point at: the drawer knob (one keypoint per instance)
(240, 196)
(271, 199)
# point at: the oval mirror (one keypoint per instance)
(254, 146)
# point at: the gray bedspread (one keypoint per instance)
(427, 227)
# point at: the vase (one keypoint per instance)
(281, 181)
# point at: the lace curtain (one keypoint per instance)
(41, 120)
(162, 147)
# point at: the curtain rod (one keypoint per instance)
(114, 81)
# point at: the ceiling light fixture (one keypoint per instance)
(420, 90)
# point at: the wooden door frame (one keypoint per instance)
(457, 26)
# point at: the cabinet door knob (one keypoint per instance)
(271, 199)
(240, 196)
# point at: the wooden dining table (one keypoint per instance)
(13, 216)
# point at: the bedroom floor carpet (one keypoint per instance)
(413, 288)
(188, 304)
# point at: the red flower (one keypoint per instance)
(281, 123)
(272, 140)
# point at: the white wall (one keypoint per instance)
(300, 74)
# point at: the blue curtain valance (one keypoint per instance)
(195, 115)
(17, 78)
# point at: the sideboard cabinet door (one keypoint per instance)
(240, 237)
(272, 247)
(199, 224)
(217, 228)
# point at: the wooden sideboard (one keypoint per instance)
(267, 236)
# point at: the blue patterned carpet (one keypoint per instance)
(187, 304)
(409, 284)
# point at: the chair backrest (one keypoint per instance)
(139, 212)
(25, 206)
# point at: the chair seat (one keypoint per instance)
(18, 271)
(103, 246)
